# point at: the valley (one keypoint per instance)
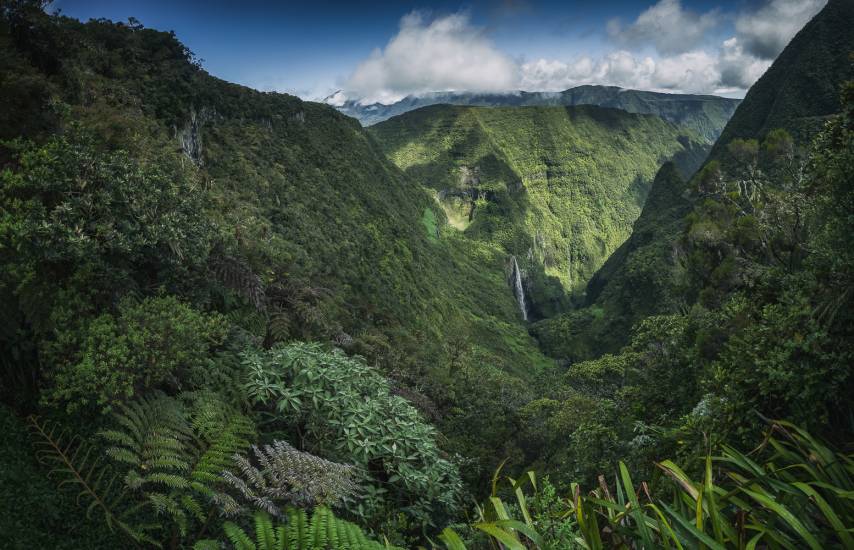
(556, 188)
(595, 318)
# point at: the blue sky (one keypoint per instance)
(385, 50)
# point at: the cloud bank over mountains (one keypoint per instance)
(447, 53)
(683, 52)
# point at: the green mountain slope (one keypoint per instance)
(636, 281)
(731, 303)
(295, 187)
(290, 222)
(558, 188)
(801, 88)
(797, 93)
(704, 115)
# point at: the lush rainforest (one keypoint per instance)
(237, 319)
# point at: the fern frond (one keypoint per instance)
(77, 465)
(118, 437)
(222, 432)
(323, 531)
(174, 450)
(238, 537)
(297, 305)
(319, 525)
(193, 507)
(281, 538)
(167, 505)
(154, 439)
(297, 528)
(236, 275)
(286, 475)
(264, 534)
(278, 326)
(171, 481)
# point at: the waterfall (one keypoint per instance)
(518, 289)
(569, 269)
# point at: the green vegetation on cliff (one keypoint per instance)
(731, 302)
(230, 320)
(156, 223)
(558, 188)
(648, 276)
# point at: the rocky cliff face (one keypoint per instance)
(189, 135)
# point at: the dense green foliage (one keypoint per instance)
(342, 408)
(156, 223)
(158, 343)
(636, 281)
(768, 328)
(224, 308)
(647, 275)
(790, 492)
(739, 303)
(558, 188)
(322, 532)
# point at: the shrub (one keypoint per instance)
(343, 410)
(151, 344)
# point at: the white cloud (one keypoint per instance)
(739, 69)
(765, 32)
(337, 99)
(445, 53)
(449, 53)
(695, 71)
(666, 25)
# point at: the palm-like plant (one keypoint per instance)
(801, 495)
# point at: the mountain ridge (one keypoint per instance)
(704, 114)
(797, 94)
(556, 187)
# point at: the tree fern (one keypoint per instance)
(297, 309)
(174, 452)
(81, 466)
(281, 474)
(288, 305)
(323, 531)
(236, 275)
(153, 439)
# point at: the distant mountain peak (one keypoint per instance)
(336, 98)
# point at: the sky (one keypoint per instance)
(384, 51)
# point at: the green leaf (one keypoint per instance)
(505, 538)
(692, 529)
(637, 511)
(832, 518)
(787, 516)
(451, 539)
